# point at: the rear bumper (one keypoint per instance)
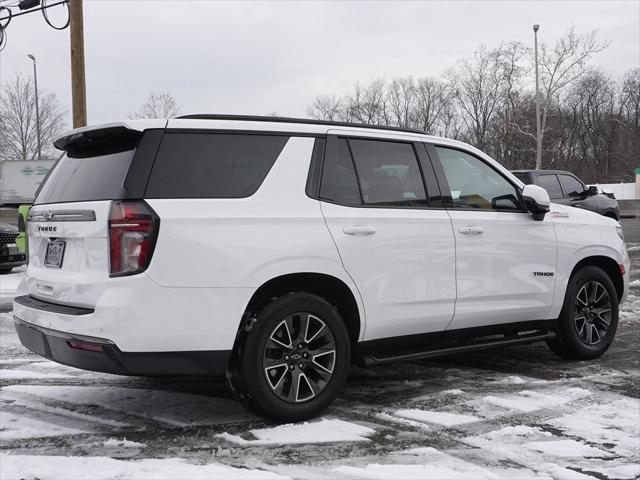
(133, 312)
(102, 355)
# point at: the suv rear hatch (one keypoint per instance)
(88, 223)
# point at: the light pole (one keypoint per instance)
(538, 137)
(35, 81)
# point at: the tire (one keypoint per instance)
(293, 361)
(590, 302)
(4, 271)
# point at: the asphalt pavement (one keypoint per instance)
(631, 229)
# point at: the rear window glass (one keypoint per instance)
(212, 165)
(83, 179)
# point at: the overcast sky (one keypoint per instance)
(259, 57)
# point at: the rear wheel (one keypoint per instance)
(589, 316)
(294, 360)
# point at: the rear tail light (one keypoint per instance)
(133, 229)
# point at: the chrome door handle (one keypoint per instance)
(359, 230)
(471, 230)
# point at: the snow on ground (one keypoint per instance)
(616, 424)
(547, 453)
(528, 401)
(424, 471)
(71, 468)
(515, 413)
(322, 431)
(631, 309)
(440, 418)
(567, 449)
(175, 409)
(114, 442)
(9, 285)
(14, 427)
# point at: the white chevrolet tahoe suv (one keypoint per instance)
(277, 251)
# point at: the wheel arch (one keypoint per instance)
(329, 287)
(610, 267)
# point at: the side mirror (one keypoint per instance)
(536, 200)
(592, 190)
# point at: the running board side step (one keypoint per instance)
(371, 360)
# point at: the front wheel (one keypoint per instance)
(589, 316)
(294, 359)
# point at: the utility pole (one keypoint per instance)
(78, 86)
(35, 82)
(538, 136)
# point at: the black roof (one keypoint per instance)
(307, 121)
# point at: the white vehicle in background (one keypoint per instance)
(278, 251)
(19, 179)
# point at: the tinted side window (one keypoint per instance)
(388, 173)
(474, 184)
(212, 165)
(571, 185)
(82, 179)
(339, 182)
(551, 184)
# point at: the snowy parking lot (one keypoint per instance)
(518, 412)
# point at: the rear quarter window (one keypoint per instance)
(212, 165)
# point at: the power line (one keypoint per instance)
(7, 15)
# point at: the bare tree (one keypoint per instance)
(325, 107)
(401, 98)
(561, 66)
(477, 84)
(593, 102)
(367, 104)
(630, 97)
(158, 105)
(626, 139)
(18, 129)
(591, 123)
(432, 99)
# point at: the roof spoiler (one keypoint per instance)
(99, 140)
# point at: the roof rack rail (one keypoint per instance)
(307, 121)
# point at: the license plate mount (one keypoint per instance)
(55, 254)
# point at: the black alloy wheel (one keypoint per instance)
(588, 320)
(592, 314)
(299, 357)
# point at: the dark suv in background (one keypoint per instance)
(567, 189)
(10, 255)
